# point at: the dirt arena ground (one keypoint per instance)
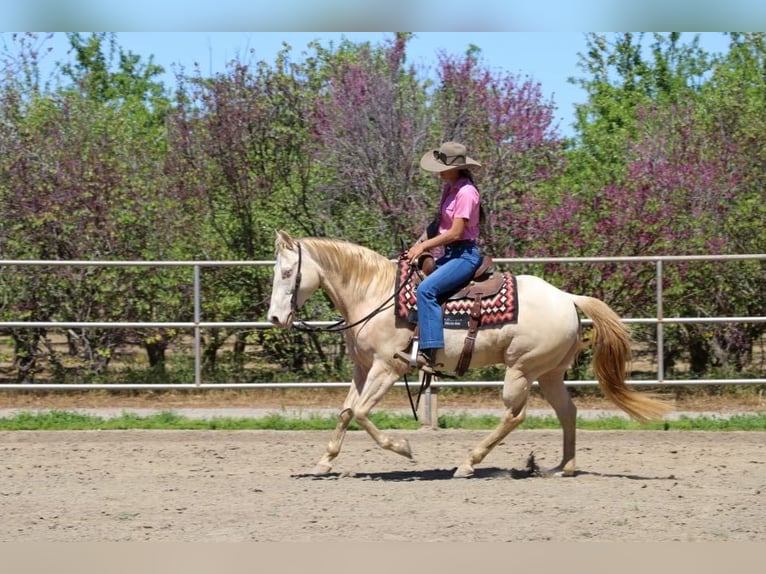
(100, 486)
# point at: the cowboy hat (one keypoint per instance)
(450, 155)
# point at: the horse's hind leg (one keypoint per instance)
(555, 392)
(515, 395)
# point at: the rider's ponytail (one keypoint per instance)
(466, 173)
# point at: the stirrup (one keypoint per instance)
(417, 360)
(412, 357)
(422, 364)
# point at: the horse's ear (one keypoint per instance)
(283, 240)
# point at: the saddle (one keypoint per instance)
(484, 283)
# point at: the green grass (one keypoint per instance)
(66, 420)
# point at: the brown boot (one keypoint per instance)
(428, 356)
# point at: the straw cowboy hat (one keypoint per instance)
(450, 155)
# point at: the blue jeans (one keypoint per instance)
(453, 270)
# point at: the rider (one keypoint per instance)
(458, 230)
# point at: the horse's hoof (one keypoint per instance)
(559, 471)
(403, 448)
(463, 471)
(321, 469)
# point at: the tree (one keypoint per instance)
(82, 169)
(103, 72)
(239, 150)
(660, 168)
(370, 123)
(621, 75)
(509, 126)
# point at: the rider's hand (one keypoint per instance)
(414, 252)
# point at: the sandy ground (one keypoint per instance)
(641, 486)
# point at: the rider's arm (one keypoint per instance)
(454, 233)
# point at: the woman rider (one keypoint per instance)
(458, 231)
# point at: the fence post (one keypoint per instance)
(197, 334)
(428, 412)
(660, 333)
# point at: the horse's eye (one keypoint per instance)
(287, 273)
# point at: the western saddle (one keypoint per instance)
(485, 283)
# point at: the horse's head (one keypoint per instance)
(295, 278)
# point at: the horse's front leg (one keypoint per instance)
(380, 379)
(336, 441)
(344, 419)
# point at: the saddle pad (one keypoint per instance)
(496, 310)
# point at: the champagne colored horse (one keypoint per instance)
(540, 346)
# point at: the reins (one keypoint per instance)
(341, 324)
(425, 383)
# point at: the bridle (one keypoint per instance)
(300, 324)
(297, 286)
(341, 324)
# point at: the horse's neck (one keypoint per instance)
(357, 295)
(334, 289)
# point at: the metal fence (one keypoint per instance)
(196, 324)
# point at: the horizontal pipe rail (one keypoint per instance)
(266, 324)
(196, 325)
(344, 385)
(244, 263)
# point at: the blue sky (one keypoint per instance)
(549, 58)
(309, 15)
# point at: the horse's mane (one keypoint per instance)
(361, 267)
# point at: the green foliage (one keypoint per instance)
(103, 164)
(622, 74)
(105, 73)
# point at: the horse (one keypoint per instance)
(540, 346)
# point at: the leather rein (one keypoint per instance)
(341, 324)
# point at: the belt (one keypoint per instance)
(461, 243)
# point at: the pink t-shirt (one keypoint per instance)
(461, 201)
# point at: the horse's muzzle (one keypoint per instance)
(277, 322)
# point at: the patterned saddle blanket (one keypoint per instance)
(499, 301)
